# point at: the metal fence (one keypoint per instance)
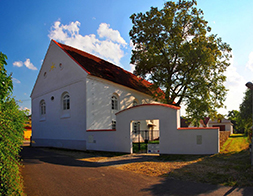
(141, 138)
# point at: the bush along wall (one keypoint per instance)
(11, 136)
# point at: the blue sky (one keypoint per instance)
(102, 27)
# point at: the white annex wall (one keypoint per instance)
(173, 139)
(54, 129)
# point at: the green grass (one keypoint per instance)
(143, 146)
(235, 143)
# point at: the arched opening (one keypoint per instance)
(145, 136)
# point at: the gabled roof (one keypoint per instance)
(219, 121)
(100, 68)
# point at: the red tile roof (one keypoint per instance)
(100, 68)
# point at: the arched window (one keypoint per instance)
(65, 101)
(113, 124)
(42, 107)
(114, 103)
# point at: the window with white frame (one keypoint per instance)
(135, 102)
(65, 105)
(136, 127)
(113, 124)
(42, 107)
(65, 101)
(114, 103)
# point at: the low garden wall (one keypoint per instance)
(224, 135)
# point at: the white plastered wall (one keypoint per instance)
(99, 93)
(173, 140)
(53, 80)
(100, 135)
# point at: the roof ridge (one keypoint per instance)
(92, 55)
(98, 58)
(60, 44)
(99, 67)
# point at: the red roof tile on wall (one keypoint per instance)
(106, 70)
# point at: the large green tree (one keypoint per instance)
(238, 123)
(174, 49)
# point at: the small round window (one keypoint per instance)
(60, 66)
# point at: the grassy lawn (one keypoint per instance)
(230, 167)
(143, 146)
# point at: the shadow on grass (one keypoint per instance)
(220, 174)
(230, 169)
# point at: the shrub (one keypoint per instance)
(11, 136)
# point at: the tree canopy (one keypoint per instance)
(246, 105)
(245, 118)
(174, 49)
(242, 119)
(238, 123)
(6, 85)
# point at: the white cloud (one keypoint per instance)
(15, 80)
(114, 35)
(29, 65)
(132, 68)
(110, 49)
(250, 62)
(18, 63)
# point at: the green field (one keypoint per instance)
(143, 146)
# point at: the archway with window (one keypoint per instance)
(145, 135)
(144, 125)
(172, 138)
